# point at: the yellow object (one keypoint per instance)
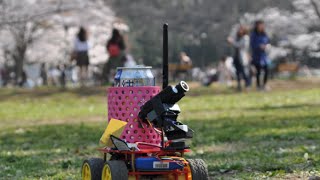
(132, 177)
(115, 128)
(106, 173)
(86, 172)
(181, 176)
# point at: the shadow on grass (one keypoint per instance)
(50, 91)
(259, 145)
(254, 144)
(51, 150)
(253, 128)
(216, 89)
(45, 92)
(290, 107)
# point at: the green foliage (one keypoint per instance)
(48, 133)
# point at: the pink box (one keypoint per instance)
(124, 104)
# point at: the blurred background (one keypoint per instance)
(38, 37)
(253, 67)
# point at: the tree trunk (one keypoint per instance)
(18, 71)
(19, 57)
(316, 8)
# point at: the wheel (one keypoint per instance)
(91, 169)
(114, 170)
(199, 170)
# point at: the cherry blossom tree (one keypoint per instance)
(43, 31)
(294, 33)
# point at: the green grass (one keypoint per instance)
(48, 133)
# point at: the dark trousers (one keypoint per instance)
(259, 69)
(241, 74)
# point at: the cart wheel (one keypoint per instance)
(199, 169)
(114, 170)
(91, 169)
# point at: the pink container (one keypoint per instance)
(124, 104)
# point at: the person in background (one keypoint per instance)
(130, 62)
(43, 74)
(62, 77)
(185, 59)
(116, 49)
(5, 76)
(184, 69)
(259, 43)
(80, 54)
(23, 80)
(224, 75)
(241, 57)
(53, 75)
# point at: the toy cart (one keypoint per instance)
(149, 142)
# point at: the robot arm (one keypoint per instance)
(169, 95)
(162, 111)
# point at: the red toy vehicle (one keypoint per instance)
(147, 141)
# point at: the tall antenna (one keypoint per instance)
(165, 73)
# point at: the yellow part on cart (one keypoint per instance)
(115, 127)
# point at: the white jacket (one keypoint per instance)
(243, 44)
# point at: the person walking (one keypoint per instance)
(43, 74)
(259, 42)
(116, 49)
(241, 57)
(80, 54)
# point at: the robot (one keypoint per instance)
(144, 139)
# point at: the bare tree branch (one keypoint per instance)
(316, 8)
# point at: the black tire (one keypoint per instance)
(95, 165)
(199, 170)
(119, 170)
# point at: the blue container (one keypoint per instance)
(155, 164)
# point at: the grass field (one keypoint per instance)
(48, 133)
